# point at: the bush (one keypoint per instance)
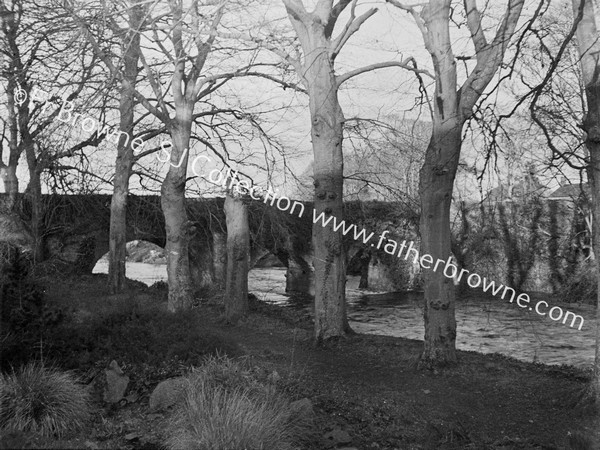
(21, 300)
(132, 337)
(581, 286)
(153, 337)
(24, 314)
(226, 405)
(38, 399)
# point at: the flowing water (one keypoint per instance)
(484, 325)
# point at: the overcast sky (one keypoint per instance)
(386, 93)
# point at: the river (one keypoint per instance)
(484, 325)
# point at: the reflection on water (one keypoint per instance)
(486, 326)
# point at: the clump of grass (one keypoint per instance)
(226, 405)
(43, 400)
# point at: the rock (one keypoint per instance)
(337, 436)
(132, 436)
(303, 407)
(132, 398)
(167, 393)
(116, 383)
(274, 377)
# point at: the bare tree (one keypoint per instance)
(34, 41)
(451, 108)
(125, 157)
(190, 60)
(316, 68)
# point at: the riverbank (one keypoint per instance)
(485, 324)
(365, 389)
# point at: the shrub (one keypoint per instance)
(581, 286)
(24, 314)
(226, 405)
(39, 399)
(21, 300)
(153, 337)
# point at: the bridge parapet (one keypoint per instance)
(75, 232)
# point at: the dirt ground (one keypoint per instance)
(365, 388)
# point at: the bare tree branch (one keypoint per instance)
(403, 64)
(335, 14)
(352, 27)
(475, 26)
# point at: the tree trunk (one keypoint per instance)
(118, 205)
(219, 258)
(592, 126)
(451, 108)
(238, 253)
(317, 70)
(435, 186)
(176, 220)
(11, 182)
(118, 225)
(365, 259)
(11, 187)
(588, 39)
(34, 190)
(329, 257)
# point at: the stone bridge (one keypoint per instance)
(75, 235)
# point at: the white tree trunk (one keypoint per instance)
(177, 225)
(327, 120)
(588, 37)
(238, 255)
(451, 108)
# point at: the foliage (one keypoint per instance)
(521, 241)
(527, 242)
(129, 334)
(42, 400)
(228, 404)
(24, 313)
(582, 285)
(24, 308)
(150, 337)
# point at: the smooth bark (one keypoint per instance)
(219, 258)
(34, 191)
(435, 185)
(176, 219)
(11, 186)
(118, 206)
(238, 255)
(9, 178)
(451, 108)
(317, 70)
(588, 37)
(329, 257)
(185, 89)
(315, 31)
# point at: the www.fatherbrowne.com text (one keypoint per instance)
(230, 181)
(450, 270)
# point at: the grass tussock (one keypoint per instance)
(43, 400)
(229, 405)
